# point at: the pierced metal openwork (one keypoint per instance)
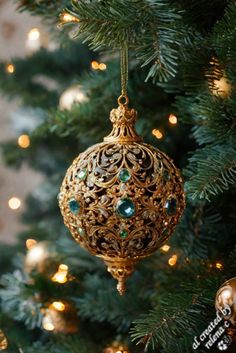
(121, 199)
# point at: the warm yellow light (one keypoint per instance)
(173, 119)
(47, 324)
(95, 65)
(34, 34)
(24, 141)
(63, 267)
(10, 68)
(14, 203)
(61, 275)
(30, 243)
(173, 260)
(67, 18)
(36, 253)
(219, 265)
(157, 133)
(59, 306)
(102, 66)
(59, 278)
(165, 248)
(221, 87)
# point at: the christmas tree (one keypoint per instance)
(56, 297)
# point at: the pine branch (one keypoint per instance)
(154, 28)
(181, 314)
(18, 301)
(64, 344)
(101, 302)
(212, 170)
(197, 231)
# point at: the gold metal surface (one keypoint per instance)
(154, 181)
(226, 297)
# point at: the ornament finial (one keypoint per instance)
(120, 269)
(123, 119)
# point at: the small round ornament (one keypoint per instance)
(60, 317)
(3, 341)
(225, 301)
(42, 258)
(116, 347)
(122, 198)
(72, 95)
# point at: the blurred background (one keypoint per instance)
(16, 29)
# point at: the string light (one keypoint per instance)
(173, 260)
(14, 203)
(157, 133)
(36, 253)
(61, 275)
(10, 68)
(98, 66)
(165, 248)
(24, 141)
(65, 17)
(95, 65)
(47, 324)
(34, 34)
(173, 119)
(30, 243)
(102, 66)
(59, 306)
(219, 265)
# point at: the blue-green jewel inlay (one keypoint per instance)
(166, 175)
(124, 175)
(171, 206)
(123, 234)
(125, 208)
(82, 174)
(74, 206)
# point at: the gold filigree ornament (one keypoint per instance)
(121, 199)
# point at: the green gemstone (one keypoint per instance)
(74, 206)
(82, 174)
(124, 175)
(171, 206)
(81, 231)
(123, 234)
(125, 208)
(166, 175)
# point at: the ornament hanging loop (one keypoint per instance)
(123, 100)
(124, 69)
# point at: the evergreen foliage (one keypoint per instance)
(179, 50)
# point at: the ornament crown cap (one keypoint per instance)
(123, 119)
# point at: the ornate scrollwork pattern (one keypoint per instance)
(121, 199)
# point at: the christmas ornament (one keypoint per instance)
(42, 258)
(116, 347)
(71, 96)
(122, 198)
(226, 300)
(3, 341)
(60, 317)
